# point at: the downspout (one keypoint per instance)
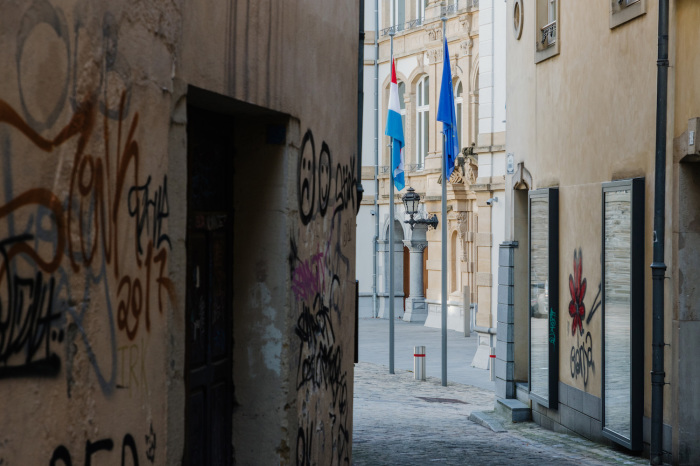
(360, 99)
(658, 267)
(375, 242)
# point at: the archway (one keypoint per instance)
(397, 245)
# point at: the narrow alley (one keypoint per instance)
(401, 421)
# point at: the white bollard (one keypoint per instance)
(419, 362)
(492, 363)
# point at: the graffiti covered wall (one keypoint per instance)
(580, 315)
(85, 246)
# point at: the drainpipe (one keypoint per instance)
(658, 267)
(375, 244)
(360, 99)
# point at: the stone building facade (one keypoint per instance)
(177, 201)
(474, 221)
(575, 267)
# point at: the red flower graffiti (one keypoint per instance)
(577, 288)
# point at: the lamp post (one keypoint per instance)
(410, 201)
(416, 308)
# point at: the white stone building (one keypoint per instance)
(475, 31)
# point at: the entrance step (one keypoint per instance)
(515, 410)
(522, 393)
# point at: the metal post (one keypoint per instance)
(375, 244)
(391, 244)
(444, 245)
(419, 362)
(466, 306)
(360, 102)
(658, 267)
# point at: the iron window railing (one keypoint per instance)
(549, 34)
(445, 11)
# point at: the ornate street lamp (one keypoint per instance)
(410, 201)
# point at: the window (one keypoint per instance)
(458, 110)
(544, 297)
(420, 10)
(402, 92)
(547, 29)
(454, 282)
(422, 120)
(623, 312)
(622, 11)
(398, 14)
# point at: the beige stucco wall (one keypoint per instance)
(100, 294)
(581, 118)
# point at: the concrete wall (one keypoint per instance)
(93, 196)
(92, 232)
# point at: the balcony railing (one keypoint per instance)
(403, 26)
(408, 168)
(549, 34)
(445, 11)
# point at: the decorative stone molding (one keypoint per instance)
(471, 171)
(466, 47)
(456, 177)
(415, 246)
(435, 32)
(465, 23)
(462, 232)
(434, 55)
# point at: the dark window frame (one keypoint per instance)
(551, 400)
(637, 268)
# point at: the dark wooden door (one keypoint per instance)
(209, 322)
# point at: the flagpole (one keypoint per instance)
(391, 238)
(444, 241)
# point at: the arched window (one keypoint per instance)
(458, 109)
(422, 120)
(402, 92)
(454, 282)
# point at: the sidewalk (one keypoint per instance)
(400, 421)
(374, 348)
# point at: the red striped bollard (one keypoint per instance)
(419, 362)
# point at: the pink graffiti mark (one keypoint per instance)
(577, 288)
(309, 277)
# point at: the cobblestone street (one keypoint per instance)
(401, 421)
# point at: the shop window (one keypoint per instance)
(544, 296)
(623, 312)
(622, 11)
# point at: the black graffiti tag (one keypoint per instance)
(335, 186)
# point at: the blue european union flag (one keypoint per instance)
(446, 114)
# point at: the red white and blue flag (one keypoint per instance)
(394, 129)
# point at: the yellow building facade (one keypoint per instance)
(582, 115)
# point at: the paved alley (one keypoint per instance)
(401, 421)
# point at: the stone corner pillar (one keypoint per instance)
(416, 307)
(505, 347)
